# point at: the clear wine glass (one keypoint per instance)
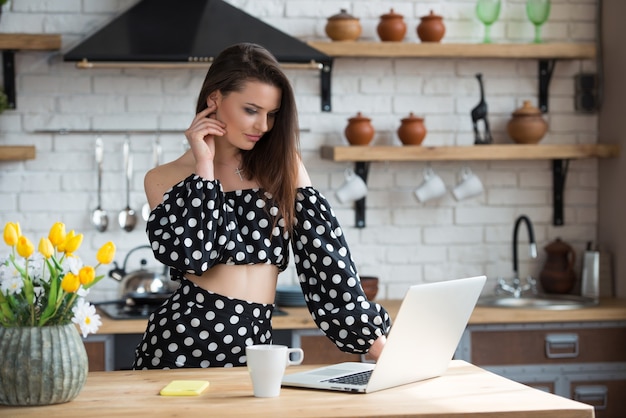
(538, 12)
(488, 12)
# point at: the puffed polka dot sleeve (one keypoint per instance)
(186, 229)
(329, 279)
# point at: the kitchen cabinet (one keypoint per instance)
(297, 329)
(579, 360)
(100, 352)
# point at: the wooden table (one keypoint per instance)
(463, 391)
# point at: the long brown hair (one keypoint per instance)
(274, 160)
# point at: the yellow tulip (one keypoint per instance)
(45, 247)
(57, 234)
(72, 242)
(11, 233)
(25, 248)
(86, 275)
(106, 253)
(70, 283)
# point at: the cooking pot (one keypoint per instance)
(143, 286)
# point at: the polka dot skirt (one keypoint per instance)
(197, 328)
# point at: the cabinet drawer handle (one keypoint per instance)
(562, 345)
(595, 395)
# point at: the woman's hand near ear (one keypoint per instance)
(201, 137)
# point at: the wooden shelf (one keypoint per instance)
(12, 42)
(468, 153)
(444, 50)
(33, 42)
(559, 154)
(16, 152)
(546, 54)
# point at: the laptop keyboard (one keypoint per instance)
(359, 378)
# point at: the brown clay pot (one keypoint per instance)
(558, 274)
(391, 27)
(526, 125)
(359, 130)
(431, 28)
(370, 286)
(343, 27)
(412, 130)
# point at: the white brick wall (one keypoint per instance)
(404, 242)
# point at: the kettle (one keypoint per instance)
(142, 286)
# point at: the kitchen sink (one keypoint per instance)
(541, 301)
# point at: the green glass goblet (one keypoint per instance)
(538, 12)
(488, 12)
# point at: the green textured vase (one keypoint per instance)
(41, 365)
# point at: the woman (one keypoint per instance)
(224, 215)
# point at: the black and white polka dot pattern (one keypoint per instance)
(197, 328)
(198, 225)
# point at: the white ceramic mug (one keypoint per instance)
(432, 186)
(352, 189)
(469, 186)
(267, 364)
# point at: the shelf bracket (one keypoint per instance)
(546, 67)
(8, 72)
(559, 175)
(325, 78)
(361, 168)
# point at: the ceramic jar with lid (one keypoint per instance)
(431, 28)
(343, 27)
(412, 130)
(558, 275)
(391, 27)
(359, 130)
(527, 125)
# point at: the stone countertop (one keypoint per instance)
(299, 318)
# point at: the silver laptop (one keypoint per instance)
(420, 344)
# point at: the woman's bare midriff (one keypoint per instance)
(253, 283)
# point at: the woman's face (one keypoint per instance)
(249, 113)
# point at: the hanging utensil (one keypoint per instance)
(99, 217)
(156, 158)
(127, 217)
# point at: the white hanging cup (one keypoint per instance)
(352, 189)
(469, 186)
(432, 186)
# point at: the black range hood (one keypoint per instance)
(175, 34)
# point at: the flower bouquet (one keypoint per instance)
(48, 287)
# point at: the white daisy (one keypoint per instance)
(86, 317)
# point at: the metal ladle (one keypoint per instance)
(156, 155)
(99, 217)
(127, 217)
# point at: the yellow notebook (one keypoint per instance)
(184, 388)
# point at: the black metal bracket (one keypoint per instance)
(8, 72)
(361, 168)
(325, 78)
(559, 175)
(546, 67)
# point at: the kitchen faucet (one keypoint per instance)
(516, 288)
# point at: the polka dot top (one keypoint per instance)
(198, 225)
